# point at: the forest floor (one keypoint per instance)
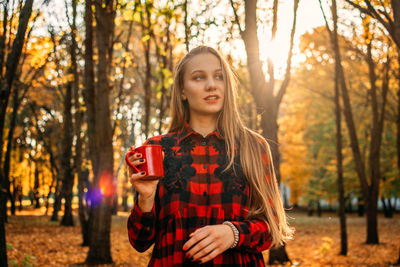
(35, 241)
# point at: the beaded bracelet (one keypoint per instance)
(235, 233)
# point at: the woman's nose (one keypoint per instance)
(211, 85)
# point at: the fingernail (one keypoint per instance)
(191, 234)
(142, 173)
(184, 248)
(138, 155)
(141, 160)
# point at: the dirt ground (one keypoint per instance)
(35, 241)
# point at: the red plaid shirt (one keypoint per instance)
(196, 192)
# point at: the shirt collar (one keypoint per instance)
(187, 131)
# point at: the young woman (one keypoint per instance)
(219, 202)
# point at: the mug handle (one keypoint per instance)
(129, 162)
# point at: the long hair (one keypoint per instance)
(254, 151)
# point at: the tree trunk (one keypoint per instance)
(398, 261)
(57, 201)
(3, 37)
(72, 87)
(3, 246)
(369, 192)
(68, 176)
(279, 255)
(164, 101)
(263, 91)
(360, 207)
(339, 156)
(387, 208)
(7, 157)
(398, 119)
(83, 175)
(11, 66)
(372, 222)
(36, 186)
(103, 180)
(83, 182)
(398, 115)
(5, 90)
(310, 208)
(147, 79)
(47, 144)
(319, 209)
(90, 101)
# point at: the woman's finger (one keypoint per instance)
(214, 253)
(203, 248)
(195, 237)
(135, 156)
(137, 176)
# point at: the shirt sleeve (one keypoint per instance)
(141, 228)
(254, 235)
(142, 225)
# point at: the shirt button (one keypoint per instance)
(204, 193)
(204, 143)
(205, 166)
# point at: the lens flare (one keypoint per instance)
(106, 184)
(94, 197)
(106, 188)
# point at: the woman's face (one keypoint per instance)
(204, 85)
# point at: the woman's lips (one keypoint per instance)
(211, 98)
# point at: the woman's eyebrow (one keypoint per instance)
(197, 71)
(217, 70)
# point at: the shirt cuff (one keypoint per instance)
(145, 218)
(243, 231)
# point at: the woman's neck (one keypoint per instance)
(203, 125)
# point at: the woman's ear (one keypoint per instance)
(183, 97)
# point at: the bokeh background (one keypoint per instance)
(81, 81)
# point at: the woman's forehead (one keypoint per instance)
(203, 62)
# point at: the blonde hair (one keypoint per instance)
(265, 199)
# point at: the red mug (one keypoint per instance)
(153, 165)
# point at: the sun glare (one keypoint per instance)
(308, 17)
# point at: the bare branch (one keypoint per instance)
(274, 19)
(236, 16)
(67, 14)
(371, 12)
(386, 24)
(362, 9)
(325, 19)
(285, 82)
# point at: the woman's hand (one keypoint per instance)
(208, 242)
(145, 187)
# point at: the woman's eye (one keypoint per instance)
(197, 78)
(220, 77)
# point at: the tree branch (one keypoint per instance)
(285, 82)
(274, 19)
(236, 17)
(325, 19)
